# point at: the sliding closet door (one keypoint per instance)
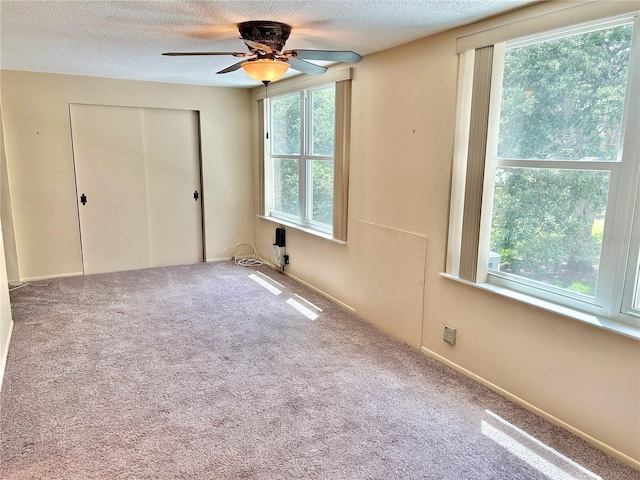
(138, 180)
(110, 177)
(172, 164)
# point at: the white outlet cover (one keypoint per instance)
(449, 335)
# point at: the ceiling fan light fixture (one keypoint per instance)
(265, 69)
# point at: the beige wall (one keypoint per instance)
(401, 159)
(41, 171)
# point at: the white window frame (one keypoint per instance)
(475, 161)
(341, 79)
(305, 157)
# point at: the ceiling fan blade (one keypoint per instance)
(183, 54)
(256, 45)
(330, 55)
(233, 67)
(306, 67)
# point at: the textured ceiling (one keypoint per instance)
(125, 39)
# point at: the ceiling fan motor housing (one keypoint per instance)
(273, 34)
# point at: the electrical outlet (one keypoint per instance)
(449, 335)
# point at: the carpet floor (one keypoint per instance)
(222, 372)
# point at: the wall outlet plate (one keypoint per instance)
(449, 334)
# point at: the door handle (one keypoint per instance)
(195, 195)
(83, 199)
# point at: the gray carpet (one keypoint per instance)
(201, 372)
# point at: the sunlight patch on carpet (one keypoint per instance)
(263, 283)
(531, 450)
(269, 279)
(302, 309)
(307, 302)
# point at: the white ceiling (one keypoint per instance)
(125, 39)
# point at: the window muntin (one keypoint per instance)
(302, 157)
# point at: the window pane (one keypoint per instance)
(547, 225)
(563, 99)
(323, 114)
(322, 191)
(285, 125)
(286, 186)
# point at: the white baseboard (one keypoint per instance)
(48, 277)
(547, 416)
(219, 259)
(317, 290)
(3, 360)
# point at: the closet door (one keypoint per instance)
(138, 180)
(172, 164)
(110, 177)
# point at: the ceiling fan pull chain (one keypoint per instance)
(266, 95)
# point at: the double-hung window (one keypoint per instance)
(302, 133)
(305, 158)
(549, 203)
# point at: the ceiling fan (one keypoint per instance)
(266, 60)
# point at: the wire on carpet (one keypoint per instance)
(16, 286)
(247, 259)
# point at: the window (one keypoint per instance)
(301, 157)
(305, 158)
(551, 193)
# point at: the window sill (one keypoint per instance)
(593, 320)
(311, 231)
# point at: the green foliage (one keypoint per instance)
(584, 287)
(287, 185)
(323, 105)
(323, 191)
(562, 100)
(286, 125)
(543, 221)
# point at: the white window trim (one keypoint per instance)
(472, 184)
